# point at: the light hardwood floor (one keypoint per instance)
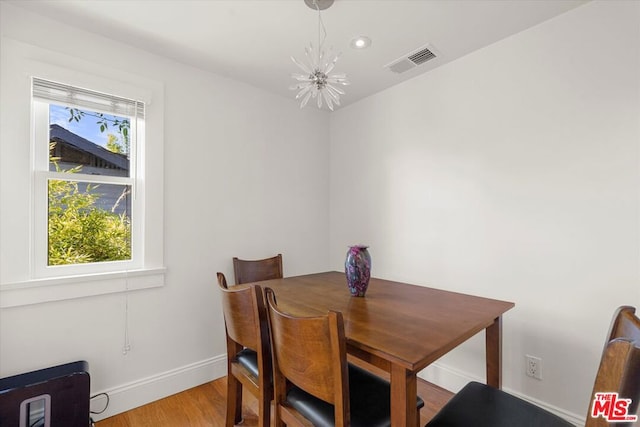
(204, 406)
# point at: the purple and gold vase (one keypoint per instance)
(357, 268)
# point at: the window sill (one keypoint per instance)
(40, 291)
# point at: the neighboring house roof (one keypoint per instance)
(62, 135)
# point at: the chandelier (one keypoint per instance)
(317, 81)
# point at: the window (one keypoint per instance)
(50, 166)
(87, 205)
(84, 150)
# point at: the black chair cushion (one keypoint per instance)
(479, 405)
(249, 359)
(369, 399)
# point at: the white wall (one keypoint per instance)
(246, 174)
(511, 173)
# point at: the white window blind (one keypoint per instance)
(71, 95)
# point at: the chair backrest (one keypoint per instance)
(247, 271)
(222, 281)
(245, 319)
(311, 353)
(619, 370)
(625, 324)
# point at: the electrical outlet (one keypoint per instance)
(533, 367)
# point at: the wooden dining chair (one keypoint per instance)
(248, 350)
(247, 271)
(480, 405)
(313, 383)
(222, 281)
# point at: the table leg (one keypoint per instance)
(404, 392)
(494, 353)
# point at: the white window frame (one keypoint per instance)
(40, 150)
(20, 281)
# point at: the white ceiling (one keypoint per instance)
(253, 40)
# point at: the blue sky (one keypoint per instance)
(86, 127)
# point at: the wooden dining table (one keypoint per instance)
(398, 327)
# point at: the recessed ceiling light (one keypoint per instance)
(360, 42)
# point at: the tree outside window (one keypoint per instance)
(88, 222)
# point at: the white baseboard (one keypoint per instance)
(453, 380)
(146, 390)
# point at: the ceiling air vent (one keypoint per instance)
(411, 60)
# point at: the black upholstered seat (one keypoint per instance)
(369, 399)
(478, 405)
(249, 359)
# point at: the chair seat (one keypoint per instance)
(249, 359)
(480, 405)
(369, 400)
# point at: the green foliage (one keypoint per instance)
(79, 232)
(114, 146)
(103, 123)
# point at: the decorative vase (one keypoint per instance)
(357, 268)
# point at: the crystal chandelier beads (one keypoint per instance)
(318, 82)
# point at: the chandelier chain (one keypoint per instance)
(324, 30)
